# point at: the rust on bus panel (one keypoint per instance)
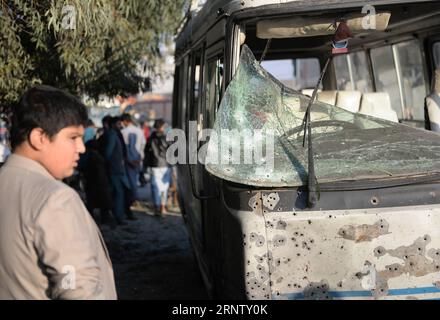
(364, 232)
(415, 262)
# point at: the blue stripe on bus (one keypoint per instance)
(351, 294)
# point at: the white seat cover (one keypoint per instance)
(349, 100)
(378, 104)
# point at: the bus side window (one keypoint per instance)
(352, 72)
(411, 72)
(214, 78)
(298, 74)
(398, 70)
(183, 88)
(385, 76)
(436, 54)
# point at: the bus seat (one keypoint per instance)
(378, 104)
(349, 100)
(328, 97)
(433, 104)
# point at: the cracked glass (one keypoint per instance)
(347, 146)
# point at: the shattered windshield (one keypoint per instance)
(259, 138)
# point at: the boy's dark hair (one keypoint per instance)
(158, 123)
(47, 108)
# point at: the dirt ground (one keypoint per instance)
(152, 258)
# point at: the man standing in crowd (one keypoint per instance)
(135, 141)
(50, 247)
(160, 170)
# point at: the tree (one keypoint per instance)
(88, 47)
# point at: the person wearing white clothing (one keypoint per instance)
(129, 127)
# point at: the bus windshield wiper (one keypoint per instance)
(312, 185)
(340, 41)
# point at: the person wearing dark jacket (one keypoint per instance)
(160, 171)
(97, 184)
(113, 151)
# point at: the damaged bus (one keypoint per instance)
(342, 200)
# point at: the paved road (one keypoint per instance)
(152, 258)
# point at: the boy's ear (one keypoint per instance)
(38, 139)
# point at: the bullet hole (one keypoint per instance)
(312, 241)
(342, 247)
(296, 233)
(405, 257)
(278, 293)
(340, 284)
(289, 285)
(310, 222)
(294, 213)
(288, 260)
(293, 239)
(330, 216)
(297, 245)
(302, 234)
(279, 209)
(374, 201)
(320, 252)
(298, 254)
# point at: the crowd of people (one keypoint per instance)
(113, 167)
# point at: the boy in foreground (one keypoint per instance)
(50, 247)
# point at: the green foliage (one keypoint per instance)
(100, 55)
